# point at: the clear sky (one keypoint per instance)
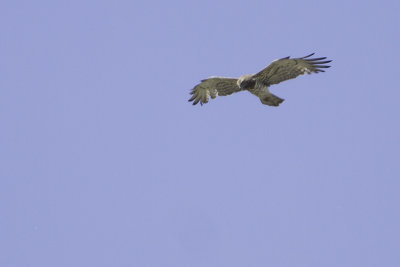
(103, 162)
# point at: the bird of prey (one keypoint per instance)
(258, 84)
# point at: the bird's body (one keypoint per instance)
(258, 84)
(261, 90)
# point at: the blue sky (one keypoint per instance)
(105, 163)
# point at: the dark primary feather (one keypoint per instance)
(212, 87)
(289, 68)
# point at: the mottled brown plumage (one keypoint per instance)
(278, 71)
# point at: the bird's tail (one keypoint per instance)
(271, 100)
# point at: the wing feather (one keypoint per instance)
(213, 87)
(289, 68)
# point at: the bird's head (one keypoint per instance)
(246, 82)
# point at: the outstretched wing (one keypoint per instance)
(289, 68)
(213, 87)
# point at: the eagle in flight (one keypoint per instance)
(258, 84)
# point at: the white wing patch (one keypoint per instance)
(306, 70)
